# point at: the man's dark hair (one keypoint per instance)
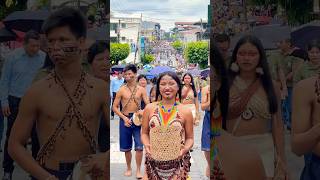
(31, 35)
(95, 49)
(220, 38)
(131, 67)
(67, 16)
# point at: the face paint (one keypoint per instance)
(64, 50)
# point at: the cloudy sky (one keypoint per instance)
(166, 12)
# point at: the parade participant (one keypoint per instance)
(15, 80)
(153, 94)
(189, 97)
(205, 137)
(97, 58)
(115, 85)
(223, 43)
(305, 125)
(130, 95)
(283, 66)
(311, 67)
(167, 158)
(246, 163)
(142, 81)
(254, 104)
(69, 120)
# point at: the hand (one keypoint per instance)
(183, 151)
(140, 112)
(147, 148)
(95, 164)
(6, 111)
(127, 122)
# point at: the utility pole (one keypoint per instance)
(138, 38)
(201, 33)
(118, 32)
(244, 3)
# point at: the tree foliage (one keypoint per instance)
(9, 6)
(118, 52)
(197, 52)
(297, 11)
(147, 58)
(178, 46)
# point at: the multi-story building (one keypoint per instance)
(125, 29)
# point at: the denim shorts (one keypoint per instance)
(126, 135)
(205, 136)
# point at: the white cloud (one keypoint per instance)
(166, 12)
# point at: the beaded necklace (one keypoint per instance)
(216, 122)
(167, 115)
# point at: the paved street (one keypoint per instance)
(118, 163)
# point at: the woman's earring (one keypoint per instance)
(259, 70)
(234, 67)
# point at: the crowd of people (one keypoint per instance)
(146, 107)
(228, 16)
(53, 96)
(267, 96)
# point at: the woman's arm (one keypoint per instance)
(145, 128)
(188, 126)
(277, 127)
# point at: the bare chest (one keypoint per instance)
(54, 104)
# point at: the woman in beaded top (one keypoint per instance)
(254, 104)
(190, 97)
(167, 132)
(246, 164)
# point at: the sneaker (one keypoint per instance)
(7, 176)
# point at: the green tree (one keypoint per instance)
(297, 11)
(197, 52)
(118, 52)
(178, 46)
(9, 6)
(147, 59)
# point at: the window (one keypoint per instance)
(123, 38)
(114, 26)
(123, 25)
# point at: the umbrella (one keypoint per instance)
(160, 69)
(302, 35)
(118, 67)
(26, 20)
(194, 72)
(147, 67)
(98, 33)
(269, 35)
(7, 35)
(205, 72)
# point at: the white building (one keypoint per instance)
(128, 29)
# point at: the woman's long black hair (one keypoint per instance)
(175, 77)
(266, 79)
(192, 84)
(218, 64)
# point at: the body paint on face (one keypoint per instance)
(64, 50)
